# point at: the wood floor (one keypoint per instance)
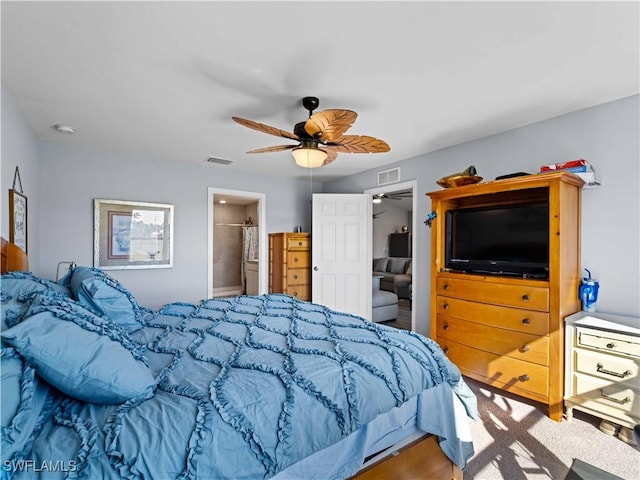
(404, 315)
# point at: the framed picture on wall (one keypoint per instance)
(18, 219)
(132, 234)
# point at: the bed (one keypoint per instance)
(96, 386)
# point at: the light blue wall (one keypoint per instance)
(606, 135)
(20, 148)
(77, 175)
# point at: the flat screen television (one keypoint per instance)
(502, 240)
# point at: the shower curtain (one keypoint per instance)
(249, 251)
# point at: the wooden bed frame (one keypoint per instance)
(420, 460)
(13, 258)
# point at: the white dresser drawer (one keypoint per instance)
(608, 367)
(613, 396)
(609, 342)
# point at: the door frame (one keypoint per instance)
(263, 266)
(393, 187)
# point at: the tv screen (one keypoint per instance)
(505, 240)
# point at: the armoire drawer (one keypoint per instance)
(609, 342)
(298, 259)
(298, 276)
(505, 371)
(522, 346)
(608, 367)
(511, 295)
(527, 321)
(616, 396)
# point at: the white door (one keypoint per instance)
(341, 252)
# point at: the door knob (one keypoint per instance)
(315, 269)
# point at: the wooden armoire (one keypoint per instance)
(508, 331)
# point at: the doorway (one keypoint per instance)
(237, 243)
(394, 221)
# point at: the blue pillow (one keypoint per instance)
(17, 288)
(106, 297)
(84, 356)
(25, 401)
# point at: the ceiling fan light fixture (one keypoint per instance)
(309, 157)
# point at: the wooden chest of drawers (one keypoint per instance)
(602, 367)
(496, 331)
(290, 264)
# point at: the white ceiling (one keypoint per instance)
(164, 78)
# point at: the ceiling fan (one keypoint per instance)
(392, 196)
(320, 138)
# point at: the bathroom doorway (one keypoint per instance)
(237, 244)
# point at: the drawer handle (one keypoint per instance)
(600, 368)
(446, 327)
(295, 277)
(611, 345)
(526, 321)
(445, 286)
(445, 306)
(524, 378)
(295, 294)
(295, 259)
(525, 297)
(614, 399)
(525, 348)
(445, 350)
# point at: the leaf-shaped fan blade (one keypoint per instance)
(330, 125)
(331, 156)
(361, 144)
(261, 127)
(276, 148)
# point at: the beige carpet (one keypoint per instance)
(514, 440)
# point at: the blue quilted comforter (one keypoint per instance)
(246, 387)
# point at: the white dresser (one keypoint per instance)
(601, 367)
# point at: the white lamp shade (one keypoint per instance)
(309, 157)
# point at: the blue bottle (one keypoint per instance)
(588, 293)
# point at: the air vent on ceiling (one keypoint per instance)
(389, 176)
(219, 161)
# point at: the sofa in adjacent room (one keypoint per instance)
(384, 306)
(395, 273)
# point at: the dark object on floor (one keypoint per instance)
(583, 471)
(511, 175)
